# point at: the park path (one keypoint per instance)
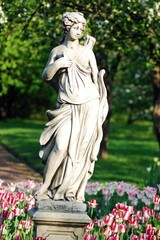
(14, 170)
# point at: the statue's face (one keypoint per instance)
(75, 31)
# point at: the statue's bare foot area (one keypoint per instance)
(42, 196)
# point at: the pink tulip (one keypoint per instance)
(5, 196)
(134, 237)
(120, 191)
(114, 227)
(18, 238)
(31, 183)
(11, 200)
(30, 200)
(115, 211)
(5, 206)
(150, 232)
(122, 228)
(29, 207)
(114, 237)
(134, 201)
(150, 191)
(140, 194)
(100, 223)
(107, 231)
(157, 217)
(144, 219)
(10, 215)
(132, 195)
(18, 211)
(149, 226)
(12, 187)
(25, 224)
(142, 236)
(4, 214)
(108, 219)
(89, 236)
(139, 215)
(133, 221)
(130, 209)
(151, 237)
(145, 211)
(150, 229)
(90, 225)
(20, 195)
(118, 219)
(156, 199)
(158, 233)
(121, 206)
(107, 196)
(3, 229)
(93, 203)
(126, 214)
(151, 212)
(1, 195)
(86, 229)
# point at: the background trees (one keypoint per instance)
(127, 46)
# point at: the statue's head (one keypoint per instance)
(71, 18)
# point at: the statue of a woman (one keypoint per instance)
(71, 139)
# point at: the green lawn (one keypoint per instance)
(131, 149)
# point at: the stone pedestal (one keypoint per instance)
(59, 220)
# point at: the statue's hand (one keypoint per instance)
(63, 62)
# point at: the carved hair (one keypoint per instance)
(71, 18)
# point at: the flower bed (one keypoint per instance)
(123, 211)
(125, 223)
(111, 193)
(15, 202)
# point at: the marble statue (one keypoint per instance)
(71, 139)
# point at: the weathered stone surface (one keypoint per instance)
(71, 139)
(60, 220)
(61, 206)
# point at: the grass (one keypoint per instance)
(131, 149)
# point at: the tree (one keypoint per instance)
(127, 46)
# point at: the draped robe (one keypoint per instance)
(85, 106)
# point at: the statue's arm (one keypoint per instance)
(53, 65)
(51, 68)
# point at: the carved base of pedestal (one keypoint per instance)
(59, 220)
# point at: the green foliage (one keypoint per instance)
(154, 171)
(131, 149)
(126, 31)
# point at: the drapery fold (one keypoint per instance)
(84, 108)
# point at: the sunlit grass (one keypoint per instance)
(131, 149)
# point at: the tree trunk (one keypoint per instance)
(109, 80)
(156, 100)
(104, 143)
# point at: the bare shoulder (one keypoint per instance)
(55, 54)
(56, 50)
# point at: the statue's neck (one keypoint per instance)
(71, 44)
